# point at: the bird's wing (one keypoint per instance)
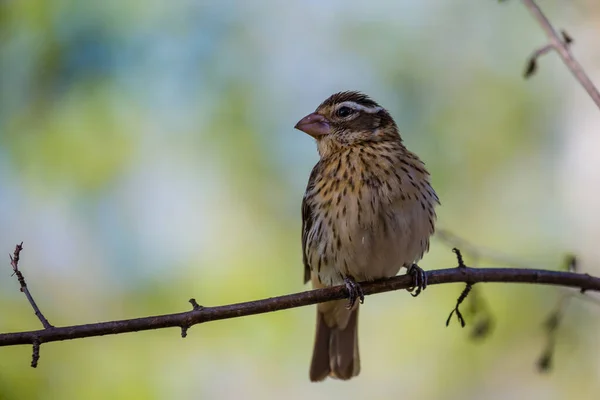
(308, 218)
(307, 223)
(413, 197)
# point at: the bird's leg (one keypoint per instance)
(420, 280)
(354, 292)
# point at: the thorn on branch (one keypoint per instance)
(195, 305)
(567, 39)
(35, 357)
(459, 257)
(461, 298)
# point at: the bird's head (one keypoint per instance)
(348, 119)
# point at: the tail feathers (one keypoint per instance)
(319, 366)
(336, 350)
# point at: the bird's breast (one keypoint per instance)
(371, 217)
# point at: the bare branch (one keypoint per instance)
(561, 46)
(14, 262)
(206, 314)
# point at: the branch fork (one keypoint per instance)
(561, 44)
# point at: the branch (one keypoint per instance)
(561, 46)
(551, 324)
(200, 314)
(14, 262)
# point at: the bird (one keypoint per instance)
(368, 211)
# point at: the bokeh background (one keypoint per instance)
(147, 155)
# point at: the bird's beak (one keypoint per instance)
(314, 124)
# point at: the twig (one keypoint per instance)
(459, 258)
(35, 357)
(532, 63)
(551, 323)
(206, 314)
(14, 262)
(561, 46)
(456, 310)
(477, 308)
(464, 293)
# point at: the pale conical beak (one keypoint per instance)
(314, 124)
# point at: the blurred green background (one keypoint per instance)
(147, 155)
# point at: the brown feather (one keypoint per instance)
(335, 352)
(319, 366)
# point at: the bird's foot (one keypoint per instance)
(420, 280)
(354, 292)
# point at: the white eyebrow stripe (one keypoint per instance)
(356, 106)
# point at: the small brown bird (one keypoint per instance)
(368, 211)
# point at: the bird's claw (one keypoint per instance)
(354, 292)
(420, 280)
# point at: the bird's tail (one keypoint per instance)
(336, 347)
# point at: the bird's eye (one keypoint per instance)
(344, 112)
